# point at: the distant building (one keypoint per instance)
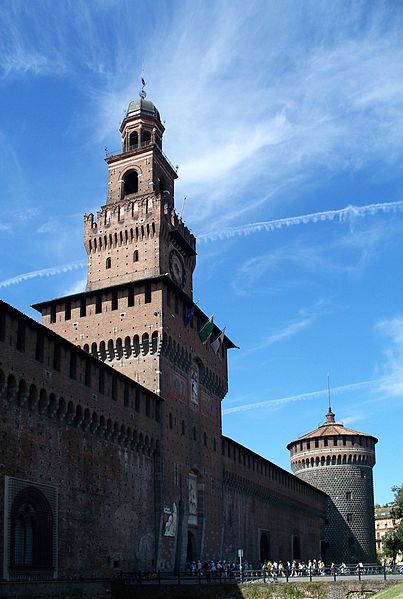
(384, 523)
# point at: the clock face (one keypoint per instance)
(177, 268)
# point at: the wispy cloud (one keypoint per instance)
(392, 367)
(76, 287)
(44, 272)
(304, 319)
(276, 110)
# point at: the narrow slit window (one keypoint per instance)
(147, 294)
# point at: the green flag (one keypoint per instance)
(206, 330)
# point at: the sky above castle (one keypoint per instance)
(286, 122)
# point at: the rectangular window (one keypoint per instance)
(53, 313)
(56, 356)
(73, 365)
(308, 445)
(67, 311)
(335, 441)
(87, 373)
(348, 494)
(114, 305)
(130, 297)
(147, 294)
(126, 395)
(101, 380)
(316, 442)
(344, 441)
(349, 517)
(83, 306)
(325, 442)
(39, 347)
(20, 336)
(98, 304)
(114, 388)
(2, 326)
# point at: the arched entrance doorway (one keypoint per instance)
(190, 547)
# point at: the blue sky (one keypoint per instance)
(274, 111)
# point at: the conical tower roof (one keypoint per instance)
(331, 428)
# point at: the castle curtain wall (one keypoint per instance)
(97, 452)
(267, 513)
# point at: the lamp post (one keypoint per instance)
(240, 555)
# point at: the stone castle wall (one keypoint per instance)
(259, 498)
(98, 451)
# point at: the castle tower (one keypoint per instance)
(141, 259)
(339, 461)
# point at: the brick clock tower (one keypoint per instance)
(141, 259)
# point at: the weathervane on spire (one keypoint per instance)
(142, 92)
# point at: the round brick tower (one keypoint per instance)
(339, 461)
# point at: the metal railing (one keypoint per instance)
(262, 575)
(137, 148)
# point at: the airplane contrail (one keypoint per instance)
(44, 272)
(341, 215)
(302, 396)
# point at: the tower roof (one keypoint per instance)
(330, 428)
(142, 107)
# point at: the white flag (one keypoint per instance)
(217, 343)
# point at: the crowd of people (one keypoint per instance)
(274, 569)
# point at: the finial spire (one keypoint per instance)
(328, 390)
(330, 415)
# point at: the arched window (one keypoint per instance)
(108, 263)
(154, 342)
(133, 140)
(31, 530)
(135, 256)
(146, 136)
(130, 183)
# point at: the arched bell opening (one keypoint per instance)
(133, 140)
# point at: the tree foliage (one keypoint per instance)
(393, 540)
(397, 509)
